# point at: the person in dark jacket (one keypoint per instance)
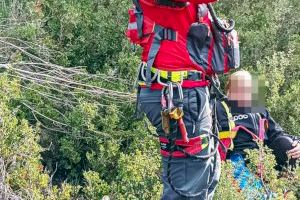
(253, 122)
(239, 92)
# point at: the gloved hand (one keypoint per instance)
(295, 152)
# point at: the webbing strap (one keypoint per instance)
(160, 34)
(139, 17)
(237, 128)
(263, 126)
(231, 123)
(227, 134)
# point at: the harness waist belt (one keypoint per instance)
(178, 76)
(185, 84)
(187, 79)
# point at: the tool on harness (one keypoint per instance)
(214, 131)
(171, 112)
(165, 120)
(177, 114)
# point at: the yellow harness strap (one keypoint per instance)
(175, 76)
(228, 134)
(231, 123)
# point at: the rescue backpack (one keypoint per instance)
(212, 43)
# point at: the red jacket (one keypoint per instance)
(172, 55)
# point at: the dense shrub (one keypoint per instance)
(67, 142)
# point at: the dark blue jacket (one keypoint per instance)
(244, 140)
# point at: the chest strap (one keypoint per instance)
(160, 33)
(139, 17)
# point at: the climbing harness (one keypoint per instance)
(172, 147)
(174, 122)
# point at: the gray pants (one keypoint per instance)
(189, 175)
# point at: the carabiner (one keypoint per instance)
(163, 98)
(143, 65)
(170, 96)
(159, 81)
(180, 91)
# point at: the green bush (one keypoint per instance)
(79, 145)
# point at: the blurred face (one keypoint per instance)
(240, 90)
(246, 93)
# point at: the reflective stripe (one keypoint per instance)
(231, 133)
(141, 83)
(132, 26)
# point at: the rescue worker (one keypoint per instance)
(173, 91)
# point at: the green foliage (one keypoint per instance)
(82, 28)
(277, 183)
(96, 188)
(22, 170)
(227, 187)
(138, 178)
